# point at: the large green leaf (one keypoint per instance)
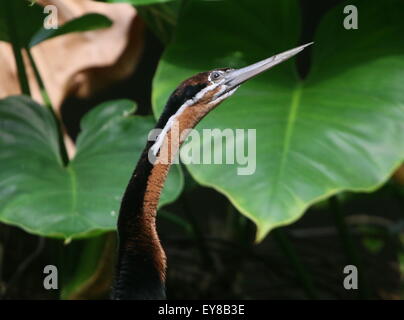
(342, 128)
(42, 196)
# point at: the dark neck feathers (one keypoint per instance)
(137, 276)
(141, 260)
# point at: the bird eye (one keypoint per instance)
(216, 75)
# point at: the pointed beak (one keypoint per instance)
(236, 77)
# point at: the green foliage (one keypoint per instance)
(87, 268)
(339, 129)
(159, 15)
(19, 21)
(22, 23)
(87, 22)
(81, 264)
(42, 196)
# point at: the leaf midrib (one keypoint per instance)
(291, 120)
(73, 183)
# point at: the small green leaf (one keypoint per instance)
(373, 244)
(42, 196)
(87, 268)
(401, 263)
(87, 22)
(19, 21)
(79, 268)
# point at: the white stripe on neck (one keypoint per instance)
(160, 139)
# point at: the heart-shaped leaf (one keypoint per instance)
(341, 128)
(42, 196)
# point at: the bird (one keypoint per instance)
(141, 260)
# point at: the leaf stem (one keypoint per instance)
(291, 254)
(38, 78)
(22, 76)
(17, 49)
(48, 104)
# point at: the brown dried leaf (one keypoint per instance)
(80, 63)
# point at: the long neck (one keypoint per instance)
(141, 259)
